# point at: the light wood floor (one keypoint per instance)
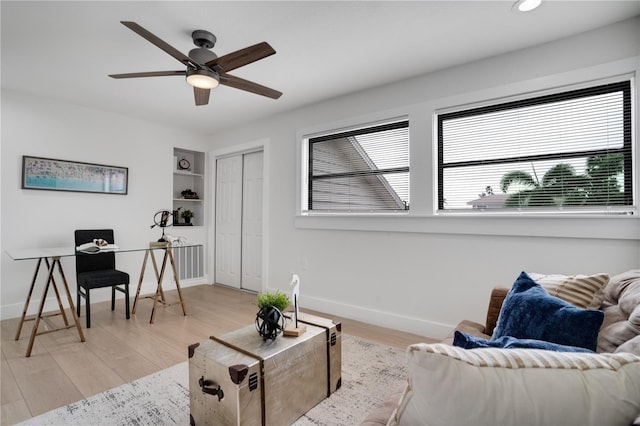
(62, 370)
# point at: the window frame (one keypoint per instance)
(390, 123)
(421, 109)
(625, 85)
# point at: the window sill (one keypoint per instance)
(574, 226)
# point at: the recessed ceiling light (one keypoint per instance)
(525, 5)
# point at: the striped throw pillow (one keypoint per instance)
(582, 291)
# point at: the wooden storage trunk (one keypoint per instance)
(239, 379)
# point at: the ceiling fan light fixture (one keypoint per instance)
(526, 5)
(204, 67)
(203, 79)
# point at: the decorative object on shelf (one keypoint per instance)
(188, 187)
(293, 328)
(161, 219)
(188, 194)
(62, 175)
(184, 164)
(269, 320)
(187, 215)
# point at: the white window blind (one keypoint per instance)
(568, 151)
(363, 170)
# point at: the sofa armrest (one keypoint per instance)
(479, 330)
(495, 304)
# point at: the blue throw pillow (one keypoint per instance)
(529, 312)
(467, 341)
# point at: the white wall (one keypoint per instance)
(427, 281)
(424, 281)
(31, 218)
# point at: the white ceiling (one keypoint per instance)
(64, 50)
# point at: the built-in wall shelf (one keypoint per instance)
(183, 173)
(191, 178)
(187, 200)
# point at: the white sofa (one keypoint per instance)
(448, 385)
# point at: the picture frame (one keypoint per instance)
(62, 175)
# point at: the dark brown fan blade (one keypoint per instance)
(249, 86)
(148, 74)
(158, 42)
(201, 95)
(242, 57)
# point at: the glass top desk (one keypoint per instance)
(51, 257)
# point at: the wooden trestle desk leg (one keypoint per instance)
(26, 303)
(38, 316)
(159, 276)
(177, 280)
(135, 299)
(76, 319)
(55, 289)
(159, 294)
(159, 291)
(144, 268)
(168, 255)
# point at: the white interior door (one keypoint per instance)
(229, 220)
(252, 222)
(239, 221)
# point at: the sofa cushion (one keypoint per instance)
(621, 327)
(529, 312)
(583, 291)
(454, 386)
(467, 341)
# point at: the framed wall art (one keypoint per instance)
(62, 175)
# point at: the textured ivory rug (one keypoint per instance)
(369, 373)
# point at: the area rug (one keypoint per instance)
(369, 372)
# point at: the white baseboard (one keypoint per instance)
(15, 310)
(379, 318)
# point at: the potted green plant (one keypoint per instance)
(269, 320)
(187, 215)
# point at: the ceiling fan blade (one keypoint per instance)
(152, 38)
(242, 57)
(148, 74)
(201, 96)
(249, 86)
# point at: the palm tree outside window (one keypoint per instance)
(570, 151)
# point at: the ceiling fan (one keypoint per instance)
(204, 69)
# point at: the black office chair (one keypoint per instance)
(98, 270)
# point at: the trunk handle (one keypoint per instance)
(211, 387)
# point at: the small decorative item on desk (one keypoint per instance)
(294, 328)
(269, 320)
(187, 215)
(97, 245)
(174, 241)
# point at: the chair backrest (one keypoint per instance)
(96, 261)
